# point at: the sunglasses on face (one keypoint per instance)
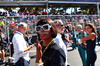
(61, 25)
(45, 27)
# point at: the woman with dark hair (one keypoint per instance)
(91, 43)
(52, 54)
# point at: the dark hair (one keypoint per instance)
(93, 28)
(50, 22)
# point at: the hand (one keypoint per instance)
(77, 43)
(70, 41)
(39, 51)
(31, 46)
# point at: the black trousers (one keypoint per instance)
(20, 62)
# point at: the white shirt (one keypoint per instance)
(60, 42)
(20, 44)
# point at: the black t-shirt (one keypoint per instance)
(53, 56)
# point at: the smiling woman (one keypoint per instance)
(52, 54)
(91, 43)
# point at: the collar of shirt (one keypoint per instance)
(58, 35)
(19, 32)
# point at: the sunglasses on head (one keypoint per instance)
(45, 27)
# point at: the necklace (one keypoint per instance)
(48, 45)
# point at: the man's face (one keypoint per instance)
(60, 28)
(24, 29)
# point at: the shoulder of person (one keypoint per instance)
(93, 33)
(17, 35)
(54, 46)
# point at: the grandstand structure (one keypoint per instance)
(84, 4)
(46, 4)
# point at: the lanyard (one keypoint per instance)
(48, 45)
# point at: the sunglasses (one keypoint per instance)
(60, 25)
(45, 27)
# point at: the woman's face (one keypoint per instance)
(44, 31)
(88, 29)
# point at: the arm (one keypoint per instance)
(20, 45)
(66, 38)
(38, 53)
(91, 36)
(31, 46)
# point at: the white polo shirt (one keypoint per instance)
(60, 42)
(19, 44)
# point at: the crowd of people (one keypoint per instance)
(53, 36)
(31, 20)
(45, 12)
(85, 40)
(34, 12)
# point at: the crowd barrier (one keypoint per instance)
(75, 19)
(31, 20)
